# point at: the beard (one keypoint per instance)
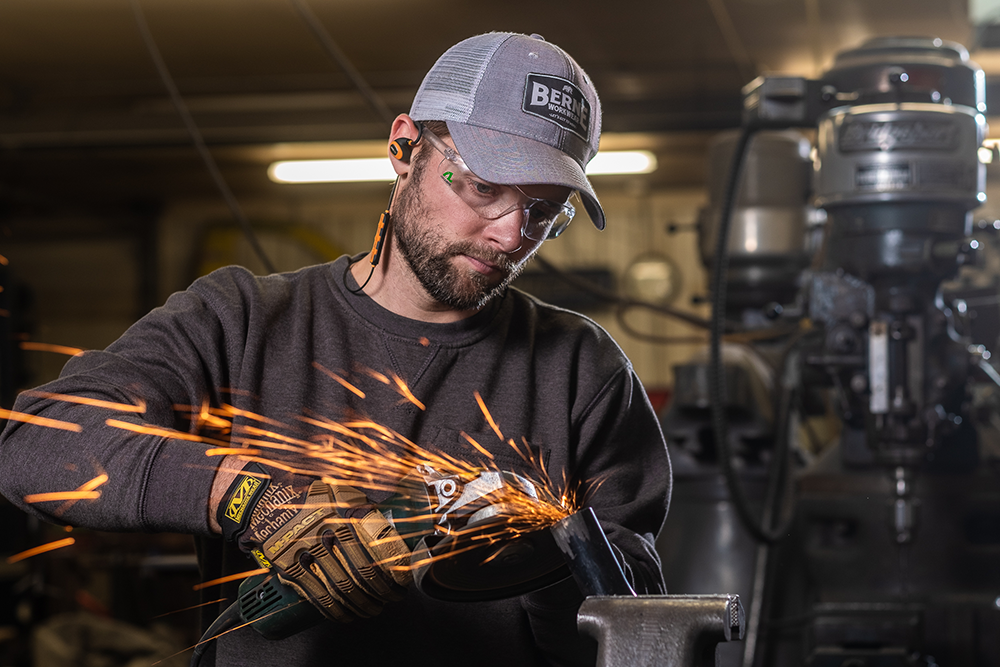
(430, 256)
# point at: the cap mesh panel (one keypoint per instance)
(449, 91)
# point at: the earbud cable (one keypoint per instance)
(380, 234)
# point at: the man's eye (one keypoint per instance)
(542, 211)
(484, 189)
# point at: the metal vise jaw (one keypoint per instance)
(661, 630)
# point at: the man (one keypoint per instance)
(496, 141)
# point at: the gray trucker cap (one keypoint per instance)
(520, 111)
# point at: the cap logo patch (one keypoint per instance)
(558, 101)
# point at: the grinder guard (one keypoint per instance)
(471, 555)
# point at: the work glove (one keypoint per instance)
(324, 540)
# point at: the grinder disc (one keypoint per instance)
(459, 571)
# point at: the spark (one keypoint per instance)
(84, 492)
(347, 385)
(149, 429)
(525, 457)
(375, 375)
(48, 347)
(194, 606)
(231, 577)
(372, 457)
(139, 406)
(61, 495)
(234, 451)
(405, 392)
(486, 413)
(226, 632)
(237, 412)
(40, 421)
(101, 478)
(475, 444)
(364, 454)
(4, 261)
(253, 430)
(205, 416)
(51, 546)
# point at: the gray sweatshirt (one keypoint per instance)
(547, 375)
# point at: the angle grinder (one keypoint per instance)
(461, 544)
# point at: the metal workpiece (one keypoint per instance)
(589, 556)
(661, 630)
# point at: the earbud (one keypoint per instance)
(401, 148)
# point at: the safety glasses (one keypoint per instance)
(542, 218)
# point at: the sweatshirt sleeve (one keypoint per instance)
(173, 357)
(621, 448)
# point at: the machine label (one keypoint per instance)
(897, 135)
(882, 177)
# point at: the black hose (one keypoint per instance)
(652, 338)
(760, 529)
(611, 296)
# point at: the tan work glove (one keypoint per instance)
(325, 540)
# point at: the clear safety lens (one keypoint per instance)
(542, 218)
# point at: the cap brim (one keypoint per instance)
(508, 159)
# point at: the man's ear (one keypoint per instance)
(402, 139)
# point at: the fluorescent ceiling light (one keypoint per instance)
(332, 171)
(622, 162)
(379, 169)
(989, 150)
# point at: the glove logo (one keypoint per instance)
(283, 541)
(241, 498)
(261, 558)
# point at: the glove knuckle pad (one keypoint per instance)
(348, 567)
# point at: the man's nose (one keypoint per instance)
(507, 231)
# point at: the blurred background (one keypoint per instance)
(107, 207)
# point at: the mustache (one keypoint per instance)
(485, 254)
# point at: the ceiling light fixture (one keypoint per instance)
(331, 171)
(379, 169)
(622, 162)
